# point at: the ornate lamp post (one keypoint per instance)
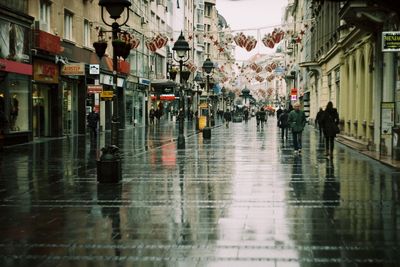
(245, 93)
(109, 165)
(181, 49)
(208, 66)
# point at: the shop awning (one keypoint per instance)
(163, 83)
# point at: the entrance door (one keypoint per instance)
(40, 110)
(45, 111)
(70, 121)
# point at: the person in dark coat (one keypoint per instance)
(152, 114)
(297, 121)
(262, 115)
(330, 126)
(227, 117)
(283, 123)
(92, 121)
(318, 122)
(278, 114)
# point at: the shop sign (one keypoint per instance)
(73, 69)
(390, 41)
(109, 80)
(45, 71)
(94, 69)
(94, 89)
(168, 97)
(107, 94)
(144, 81)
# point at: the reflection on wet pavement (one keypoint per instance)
(240, 199)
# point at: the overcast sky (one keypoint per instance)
(263, 15)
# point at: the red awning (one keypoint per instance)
(15, 67)
(163, 97)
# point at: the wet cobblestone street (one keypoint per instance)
(240, 199)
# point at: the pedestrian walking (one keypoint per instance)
(283, 123)
(261, 115)
(318, 120)
(92, 121)
(279, 113)
(227, 117)
(152, 114)
(297, 121)
(330, 126)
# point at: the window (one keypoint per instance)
(68, 25)
(208, 10)
(45, 8)
(86, 33)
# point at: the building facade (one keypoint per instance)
(48, 61)
(340, 59)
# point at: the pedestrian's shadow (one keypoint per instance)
(331, 193)
(109, 199)
(297, 179)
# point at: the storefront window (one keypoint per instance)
(14, 102)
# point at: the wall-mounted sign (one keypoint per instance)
(390, 41)
(94, 89)
(94, 69)
(45, 71)
(73, 69)
(106, 94)
(387, 117)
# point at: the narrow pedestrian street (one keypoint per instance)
(240, 199)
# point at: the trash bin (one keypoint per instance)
(207, 133)
(109, 165)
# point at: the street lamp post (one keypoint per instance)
(181, 49)
(109, 165)
(208, 66)
(223, 91)
(197, 79)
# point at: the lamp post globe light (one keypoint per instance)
(181, 54)
(109, 164)
(245, 93)
(208, 66)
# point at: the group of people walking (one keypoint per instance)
(295, 120)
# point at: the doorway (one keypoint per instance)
(44, 110)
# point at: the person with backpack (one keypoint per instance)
(283, 123)
(330, 126)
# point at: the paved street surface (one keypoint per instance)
(241, 199)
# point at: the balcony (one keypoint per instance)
(365, 15)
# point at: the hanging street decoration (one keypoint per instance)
(247, 42)
(273, 38)
(157, 42)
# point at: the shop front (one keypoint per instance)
(15, 76)
(72, 76)
(46, 100)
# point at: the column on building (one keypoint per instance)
(358, 129)
(368, 103)
(344, 89)
(351, 94)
